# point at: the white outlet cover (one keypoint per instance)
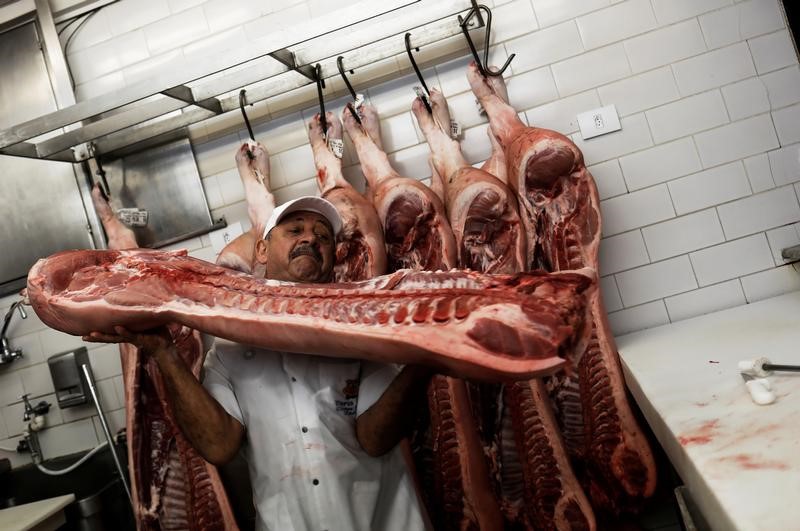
(599, 122)
(222, 237)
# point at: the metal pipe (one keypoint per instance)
(93, 390)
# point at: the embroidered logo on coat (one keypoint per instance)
(348, 405)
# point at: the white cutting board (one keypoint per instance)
(740, 461)
(43, 515)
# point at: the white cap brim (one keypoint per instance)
(308, 203)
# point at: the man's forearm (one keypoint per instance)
(204, 422)
(391, 418)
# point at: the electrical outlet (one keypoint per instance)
(599, 122)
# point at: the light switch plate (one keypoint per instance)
(222, 237)
(598, 122)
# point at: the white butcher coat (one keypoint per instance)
(307, 469)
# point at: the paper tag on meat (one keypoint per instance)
(455, 129)
(133, 217)
(420, 93)
(336, 145)
(358, 102)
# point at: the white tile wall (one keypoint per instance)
(708, 92)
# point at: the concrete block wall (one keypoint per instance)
(699, 189)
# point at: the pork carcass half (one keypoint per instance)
(415, 227)
(482, 210)
(252, 162)
(171, 485)
(478, 326)
(360, 248)
(560, 208)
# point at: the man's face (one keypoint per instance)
(301, 248)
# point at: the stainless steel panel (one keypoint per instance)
(165, 182)
(39, 200)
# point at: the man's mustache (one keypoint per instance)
(305, 250)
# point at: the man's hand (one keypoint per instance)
(153, 342)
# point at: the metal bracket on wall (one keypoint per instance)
(211, 87)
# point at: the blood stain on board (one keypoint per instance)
(747, 462)
(702, 435)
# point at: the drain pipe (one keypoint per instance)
(93, 390)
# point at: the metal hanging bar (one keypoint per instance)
(242, 103)
(483, 65)
(419, 74)
(320, 86)
(340, 66)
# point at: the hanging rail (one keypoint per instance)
(212, 88)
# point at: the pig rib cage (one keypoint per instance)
(160, 108)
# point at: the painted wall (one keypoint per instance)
(699, 189)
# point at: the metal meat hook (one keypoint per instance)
(340, 66)
(242, 103)
(483, 65)
(320, 86)
(419, 74)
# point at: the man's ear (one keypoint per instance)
(262, 246)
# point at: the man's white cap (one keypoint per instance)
(307, 203)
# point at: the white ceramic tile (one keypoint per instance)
(222, 14)
(230, 185)
(732, 259)
(773, 51)
(215, 44)
(238, 212)
(474, 144)
(207, 253)
(298, 163)
(782, 86)
(608, 178)
(670, 11)
(608, 289)
(705, 300)
(108, 395)
(85, 34)
(176, 6)
(21, 327)
(742, 21)
(177, 30)
(153, 66)
(293, 191)
(68, 438)
(665, 45)
(512, 20)
(785, 164)
(128, 15)
(281, 134)
(108, 56)
(759, 212)
(638, 318)
(280, 20)
(413, 162)
(684, 234)
(759, 173)
(463, 109)
(746, 98)
(637, 209)
(640, 92)
(635, 135)
(99, 86)
(10, 387)
(397, 95)
(55, 342)
(787, 124)
(708, 188)
(616, 22)
(591, 69)
(36, 380)
(105, 361)
(781, 238)
(71, 414)
(771, 283)
(13, 415)
(689, 115)
(213, 193)
(621, 252)
(736, 140)
(398, 131)
(714, 69)
(660, 163)
(217, 155)
(550, 12)
(545, 46)
(531, 89)
(674, 276)
(562, 115)
(31, 348)
(3, 435)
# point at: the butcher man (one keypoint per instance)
(319, 434)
